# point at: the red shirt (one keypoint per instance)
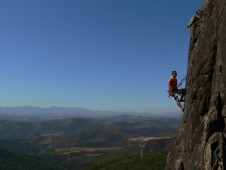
(172, 84)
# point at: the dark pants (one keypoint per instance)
(179, 92)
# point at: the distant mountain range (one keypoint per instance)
(50, 112)
(64, 112)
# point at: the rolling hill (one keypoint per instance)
(78, 142)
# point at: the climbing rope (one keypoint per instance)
(182, 81)
(178, 85)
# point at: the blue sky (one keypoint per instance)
(113, 55)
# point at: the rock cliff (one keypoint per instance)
(154, 146)
(201, 143)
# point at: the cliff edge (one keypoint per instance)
(201, 143)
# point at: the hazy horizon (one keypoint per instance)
(102, 55)
(76, 111)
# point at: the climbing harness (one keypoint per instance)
(181, 114)
(178, 84)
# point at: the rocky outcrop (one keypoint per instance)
(157, 145)
(201, 143)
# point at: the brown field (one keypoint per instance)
(145, 138)
(65, 151)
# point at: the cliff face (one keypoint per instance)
(201, 143)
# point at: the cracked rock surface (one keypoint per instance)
(201, 143)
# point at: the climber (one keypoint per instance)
(174, 91)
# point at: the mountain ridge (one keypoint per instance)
(60, 112)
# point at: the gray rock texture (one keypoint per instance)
(154, 146)
(201, 143)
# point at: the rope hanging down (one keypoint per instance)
(182, 81)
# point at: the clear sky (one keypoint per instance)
(113, 55)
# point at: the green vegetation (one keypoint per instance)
(101, 136)
(152, 162)
(78, 143)
(17, 160)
